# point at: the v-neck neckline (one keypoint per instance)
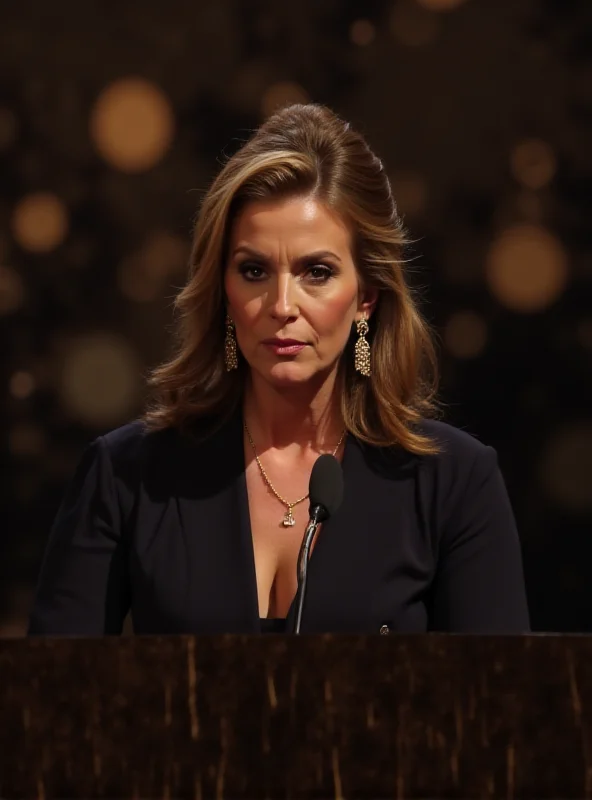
(246, 531)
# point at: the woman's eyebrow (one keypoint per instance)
(320, 254)
(253, 253)
(249, 251)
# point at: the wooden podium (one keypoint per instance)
(433, 716)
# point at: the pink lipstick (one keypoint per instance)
(284, 347)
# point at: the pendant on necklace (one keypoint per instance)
(288, 520)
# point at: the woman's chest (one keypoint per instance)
(213, 563)
(276, 546)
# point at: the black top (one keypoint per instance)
(158, 523)
(274, 625)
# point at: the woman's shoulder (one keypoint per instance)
(457, 454)
(135, 439)
(462, 459)
(453, 442)
(138, 443)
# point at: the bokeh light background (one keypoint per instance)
(114, 118)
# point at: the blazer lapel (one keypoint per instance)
(356, 543)
(214, 513)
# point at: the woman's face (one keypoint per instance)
(292, 288)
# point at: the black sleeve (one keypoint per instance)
(479, 583)
(83, 586)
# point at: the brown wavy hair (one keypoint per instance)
(305, 150)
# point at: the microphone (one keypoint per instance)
(325, 491)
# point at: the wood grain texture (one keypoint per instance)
(297, 717)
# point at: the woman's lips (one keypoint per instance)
(284, 347)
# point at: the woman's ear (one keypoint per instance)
(367, 303)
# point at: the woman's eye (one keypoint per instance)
(316, 273)
(252, 272)
(320, 273)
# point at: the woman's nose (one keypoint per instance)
(284, 303)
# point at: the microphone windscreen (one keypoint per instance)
(326, 484)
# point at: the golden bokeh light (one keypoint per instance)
(410, 191)
(533, 163)
(166, 254)
(441, 5)
(143, 276)
(136, 282)
(526, 268)
(12, 290)
(412, 25)
(567, 467)
(22, 385)
(465, 334)
(362, 32)
(40, 222)
(283, 93)
(99, 381)
(132, 124)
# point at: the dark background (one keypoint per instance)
(115, 117)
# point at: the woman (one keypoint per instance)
(297, 335)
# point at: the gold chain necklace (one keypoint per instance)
(288, 519)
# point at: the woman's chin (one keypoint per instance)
(290, 374)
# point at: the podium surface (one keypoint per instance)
(399, 716)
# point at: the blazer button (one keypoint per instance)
(384, 630)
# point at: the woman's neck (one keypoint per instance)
(307, 418)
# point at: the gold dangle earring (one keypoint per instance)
(230, 357)
(362, 348)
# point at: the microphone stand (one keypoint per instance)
(316, 515)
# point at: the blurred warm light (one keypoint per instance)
(136, 282)
(165, 254)
(143, 275)
(526, 268)
(440, 5)
(362, 32)
(26, 439)
(410, 192)
(132, 124)
(8, 128)
(533, 163)
(283, 93)
(465, 334)
(412, 25)
(567, 467)
(22, 385)
(40, 222)
(12, 290)
(100, 380)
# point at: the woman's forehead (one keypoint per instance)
(296, 220)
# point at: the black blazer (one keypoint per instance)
(158, 523)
